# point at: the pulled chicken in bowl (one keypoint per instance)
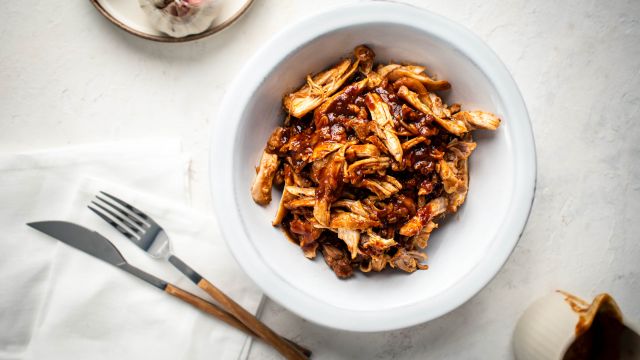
(369, 159)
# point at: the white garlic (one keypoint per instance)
(179, 18)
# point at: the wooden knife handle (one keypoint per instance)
(250, 321)
(283, 347)
(219, 313)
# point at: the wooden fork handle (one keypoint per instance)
(216, 311)
(233, 308)
(251, 321)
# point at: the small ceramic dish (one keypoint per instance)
(127, 15)
(464, 253)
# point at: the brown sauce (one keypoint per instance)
(389, 97)
(599, 342)
(600, 332)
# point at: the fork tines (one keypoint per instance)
(125, 218)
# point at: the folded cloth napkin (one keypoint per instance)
(58, 302)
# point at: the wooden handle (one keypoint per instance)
(219, 313)
(250, 321)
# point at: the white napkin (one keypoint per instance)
(57, 302)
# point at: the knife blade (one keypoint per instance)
(100, 247)
(95, 245)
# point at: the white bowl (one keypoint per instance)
(464, 253)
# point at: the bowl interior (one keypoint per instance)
(456, 247)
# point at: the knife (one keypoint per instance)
(100, 247)
(94, 244)
(97, 245)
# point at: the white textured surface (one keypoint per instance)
(69, 76)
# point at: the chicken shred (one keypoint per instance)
(329, 186)
(380, 114)
(478, 119)
(429, 83)
(430, 211)
(351, 238)
(454, 126)
(261, 189)
(364, 150)
(318, 88)
(369, 159)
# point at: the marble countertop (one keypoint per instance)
(68, 76)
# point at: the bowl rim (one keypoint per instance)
(224, 134)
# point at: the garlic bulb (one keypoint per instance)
(178, 18)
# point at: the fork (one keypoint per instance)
(143, 231)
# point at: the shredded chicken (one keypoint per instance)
(384, 129)
(364, 150)
(261, 189)
(354, 206)
(420, 240)
(408, 261)
(460, 150)
(351, 221)
(425, 214)
(323, 149)
(319, 88)
(338, 102)
(351, 238)
(454, 126)
(413, 142)
(478, 119)
(368, 166)
(383, 71)
(329, 186)
(429, 83)
(337, 260)
(383, 188)
(369, 159)
(374, 241)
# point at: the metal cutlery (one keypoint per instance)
(100, 247)
(143, 231)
